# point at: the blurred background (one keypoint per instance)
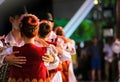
(81, 19)
(100, 17)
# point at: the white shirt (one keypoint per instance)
(1, 44)
(9, 38)
(52, 37)
(50, 49)
(109, 56)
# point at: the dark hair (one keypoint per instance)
(44, 30)
(19, 10)
(47, 16)
(29, 25)
(59, 31)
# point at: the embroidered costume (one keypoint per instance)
(34, 69)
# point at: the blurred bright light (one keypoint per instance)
(1, 1)
(82, 45)
(96, 2)
(78, 17)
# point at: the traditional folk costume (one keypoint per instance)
(8, 41)
(11, 40)
(1, 68)
(34, 70)
(55, 74)
(54, 68)
(50, 66)
(65, 60)
(50, 49)
(52, 37)
(69, 50)
(1, 49)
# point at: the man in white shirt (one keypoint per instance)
(109, 57)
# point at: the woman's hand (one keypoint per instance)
(48, 58)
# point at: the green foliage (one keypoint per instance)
(106, 2)
(84, 32)
(61, 22)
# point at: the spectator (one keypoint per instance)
(95, 51)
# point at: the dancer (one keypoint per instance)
(34, 69)
(68, 46)
(29, 28)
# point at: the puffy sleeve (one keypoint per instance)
(5, 52)
(52, 49)
(1, 44)
(65, 56)
(63, 50)
(70, 47)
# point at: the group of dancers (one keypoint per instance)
(34, 52)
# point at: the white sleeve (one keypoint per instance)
(4, 53)
(1, 44)
(53, 65)
(70, 47)
(65, 56)
(73, 51)
(105, 48)
(73, 48)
